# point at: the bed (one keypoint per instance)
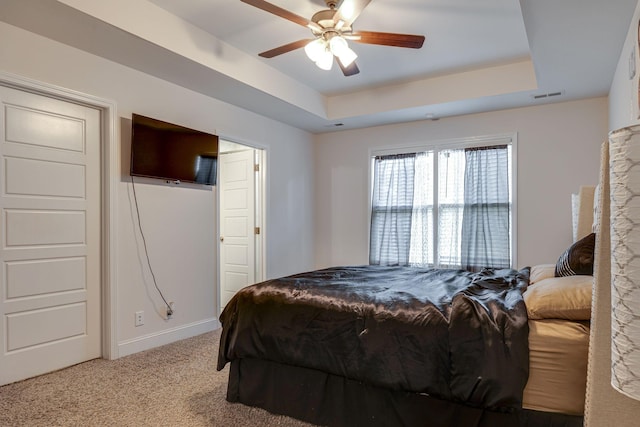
(402, 346)
(559, 312)
(349, 346)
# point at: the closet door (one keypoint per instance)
(50, 234)
(237, 223)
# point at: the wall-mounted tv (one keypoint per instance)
(172, 152)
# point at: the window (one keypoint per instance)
(443, 207)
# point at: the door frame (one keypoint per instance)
(260, 182)
(109, 174)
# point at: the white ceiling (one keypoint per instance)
(461, 34)
(479, 55)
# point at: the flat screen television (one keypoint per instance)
(172, 152)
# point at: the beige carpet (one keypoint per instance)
(173, 385)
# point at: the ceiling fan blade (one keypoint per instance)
(278, 11)
(349, 10)
(350, 70)
(285, 48)
(389, 39)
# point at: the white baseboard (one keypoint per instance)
(168, 336)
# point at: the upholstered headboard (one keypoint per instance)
(604, 405)
(582, 206)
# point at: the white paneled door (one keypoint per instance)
(237, 223)
(50, 234)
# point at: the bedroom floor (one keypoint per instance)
(174, 385)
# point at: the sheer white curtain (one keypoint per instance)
(451, 167)
(486, 217)
(391, 209)
(422, 251)
(460, 220)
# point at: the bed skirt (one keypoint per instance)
(330, 400)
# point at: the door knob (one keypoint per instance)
(222, 239)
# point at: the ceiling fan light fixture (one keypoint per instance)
(340, 48)
(315, 49)
(325, 61)
(338, 44)
(347, 10)
(334, 22)
(347, 57)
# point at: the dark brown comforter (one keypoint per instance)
(452, 334)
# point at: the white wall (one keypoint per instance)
(179, 222)
(623, 97)
(558, 150)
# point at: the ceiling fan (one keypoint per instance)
(331, 29)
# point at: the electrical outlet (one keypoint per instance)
(170, 310)
(139, 318)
